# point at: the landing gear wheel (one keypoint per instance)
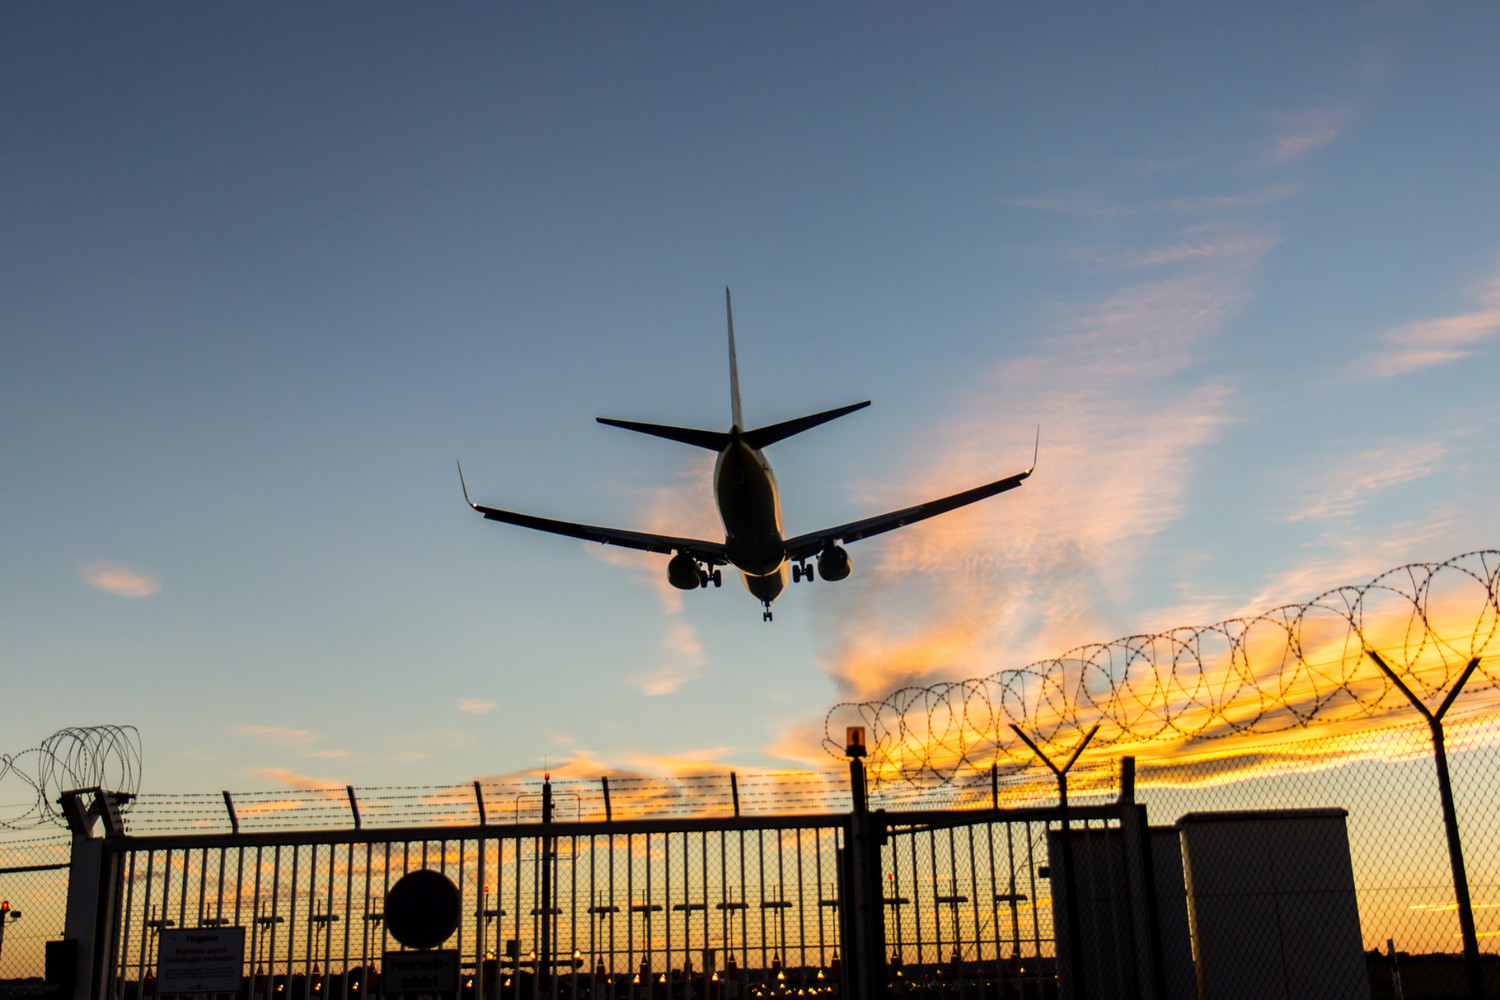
(765, 615)
(796, 573)
(718, 578)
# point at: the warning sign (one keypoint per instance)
(200, 960)
(407, 972)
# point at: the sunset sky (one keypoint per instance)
(267, 270)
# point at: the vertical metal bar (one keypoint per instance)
(802, 912)
(630, 972)
(734, 790)
(479, 802)
(608, 812)
(126, 921)
(274, 925)
(916, 895)
(234, 820)
(666, 842)
(760, 889)
(202, 881)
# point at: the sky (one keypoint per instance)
(267, 272)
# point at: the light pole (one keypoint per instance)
(6, 916)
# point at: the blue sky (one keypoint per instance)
(267, 271)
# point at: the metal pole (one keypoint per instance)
(1450, 817)
(1070, 880)
(544, 951)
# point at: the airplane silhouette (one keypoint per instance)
(745, 491)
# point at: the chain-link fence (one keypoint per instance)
(33, 901)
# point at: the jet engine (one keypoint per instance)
(833, 563)
(683, 572)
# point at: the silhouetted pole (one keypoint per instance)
(1070, 890)
(1450, 816)
(544, 953)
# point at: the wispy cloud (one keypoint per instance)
(1347, 484)
(291, 779)
(1298, 133)
(122, 581)
(278, 735)
(1199, 243)
(681, 661)
(477, 706)
(1019, 577)
(1436, 341)
(684, 507)
(1081, 203)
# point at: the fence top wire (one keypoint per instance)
(1299, 670)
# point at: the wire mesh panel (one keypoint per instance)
(970, 908)
(622, 910)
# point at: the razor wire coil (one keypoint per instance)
(31, 781)
(1288, 668)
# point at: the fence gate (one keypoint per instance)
(962, 902)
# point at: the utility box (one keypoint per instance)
(1132, 928)
(1271, 905)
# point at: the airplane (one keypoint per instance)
(750, 508)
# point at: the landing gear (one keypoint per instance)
(706, 577)
(717, 577)
(802, 571)
(765, 615)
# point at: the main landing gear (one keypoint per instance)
(802, 571)
(765, 615)
(710, 577)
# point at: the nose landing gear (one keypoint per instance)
(765, 615)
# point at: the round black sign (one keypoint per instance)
(421, 910)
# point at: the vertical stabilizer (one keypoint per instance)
(734, 370)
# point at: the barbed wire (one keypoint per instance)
(1291, 667)
(77, 757)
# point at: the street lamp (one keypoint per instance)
(6, 916)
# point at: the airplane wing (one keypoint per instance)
(705, 551)
(808, 545)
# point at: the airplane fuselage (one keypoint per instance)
(750, 507)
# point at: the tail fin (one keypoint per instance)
(734, 368)
(770, 434)
(712, 440)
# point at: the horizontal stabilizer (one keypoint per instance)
(770, 434)
(712, 440)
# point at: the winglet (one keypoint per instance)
(463, 486)
(1036, 450)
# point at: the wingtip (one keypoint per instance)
(461, 484)
(1036, 449)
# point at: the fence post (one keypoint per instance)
(862, 896)
(93, 884)
(1135, 844)
(1070, 879)
(1450, 816)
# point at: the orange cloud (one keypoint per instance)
(122, 581)
(1014, 578)
(292, 780)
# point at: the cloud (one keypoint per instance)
(278, 735)
(1202, 243)
(1016, 578)
(1300, 132)
(122, 581)
(478, 706)
(1436, 341)
(1084, 204)
(682, 661)
(291, 779)
(1347, 485)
